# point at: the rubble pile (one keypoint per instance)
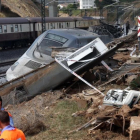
(29, 116)
(101, 118)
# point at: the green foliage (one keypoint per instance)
(101, 3)
(72, 6)
(71, 9)
(64, 9)
(76, 12)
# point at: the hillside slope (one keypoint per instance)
(23, 8)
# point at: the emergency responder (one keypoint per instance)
(10, 116)
(8, 131)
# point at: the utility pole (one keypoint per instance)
(43, 15)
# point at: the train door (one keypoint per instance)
(5, 28)
(36, 26)
(40, 27)
(72, 25)
(25, 28)
(1, 31)
(62, 25)
(16, 28)
(8, 28)
(47, 26)
(55, 24)
(66, 25)
(78, 24)
(59, 25)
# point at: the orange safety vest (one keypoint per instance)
(6, 111)
(15, 134)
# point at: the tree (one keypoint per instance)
(72, 6)
(101, 3)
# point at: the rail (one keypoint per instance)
(7, 63)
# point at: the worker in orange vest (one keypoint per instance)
(9, 132)
(10, 116)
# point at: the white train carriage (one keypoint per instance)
(39, 54)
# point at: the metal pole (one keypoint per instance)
(139, 31)
(0, 5)
(43, 15)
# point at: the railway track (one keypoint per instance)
(3, 68)
(2, 74)
(3, 64)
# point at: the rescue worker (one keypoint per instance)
(10, 116)
(8, 131)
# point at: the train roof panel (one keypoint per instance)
(78, 33)
(13, 20)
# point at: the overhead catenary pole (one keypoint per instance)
(0, 5)
(139, 31)
(43, 12)
(43, 15)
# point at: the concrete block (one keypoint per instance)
(134, 128)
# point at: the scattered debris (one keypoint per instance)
(115, 112)
(134, 128)
(107, 29)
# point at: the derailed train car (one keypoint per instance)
(21, 32)
(39, 54)
(50, 76)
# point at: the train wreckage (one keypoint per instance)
(54, 74)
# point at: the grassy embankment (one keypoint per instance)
(59, 122)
